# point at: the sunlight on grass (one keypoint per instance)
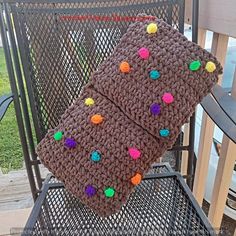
(11, 156)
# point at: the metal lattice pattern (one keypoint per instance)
(65, 45)
(158, 168)
(156, 207)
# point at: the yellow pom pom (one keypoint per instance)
(210, 66)
(152, 28)
(89, 101)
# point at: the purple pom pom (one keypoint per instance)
(90, 191)
(155, 109)
(70, 143)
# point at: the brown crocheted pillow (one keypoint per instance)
(129, 114)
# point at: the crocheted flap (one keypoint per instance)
(98, 152)
(157, 77)
(128, 115)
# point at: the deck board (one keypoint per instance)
(15, 190)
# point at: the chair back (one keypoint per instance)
(63, 42)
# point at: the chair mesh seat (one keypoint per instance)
(160, 205)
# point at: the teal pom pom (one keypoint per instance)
(154, 74)
(95, 156)
(164, 132)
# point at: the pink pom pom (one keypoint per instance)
(143, 53)
(168, 98)
(134, 153)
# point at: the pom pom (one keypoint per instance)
(167, 98)
(89, 102)
(143, 53)
(136, 179)
(194, 65)
(155, 109)
(124, 67)
(95, 156)
(152, 28)
(97, 119)
(109, 192)
(154, 74)
(164, 132)
(70, 143)
(210, 66)
(134, 153)
(58, 135)
(90, 190)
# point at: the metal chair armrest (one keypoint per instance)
(5, 101)
(219, 116)
(225, 101)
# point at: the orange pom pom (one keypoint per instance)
(136, 179)
(124, 67)
(96, 119)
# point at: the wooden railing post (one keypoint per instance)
(222, 182)
(184, 160)
(223, 176)
(201, 37)
(219, 49)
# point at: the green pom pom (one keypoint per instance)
(194, 65)
(109, 192)
(58, 135)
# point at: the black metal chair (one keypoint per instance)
(60, 44)
(218, 106)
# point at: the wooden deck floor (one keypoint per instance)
(12, 222)
(15, 190)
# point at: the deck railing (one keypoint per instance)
(219, 17)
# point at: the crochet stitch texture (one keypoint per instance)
(129, 114)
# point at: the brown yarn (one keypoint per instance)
(123, 100)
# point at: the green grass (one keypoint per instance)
(11, 156)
